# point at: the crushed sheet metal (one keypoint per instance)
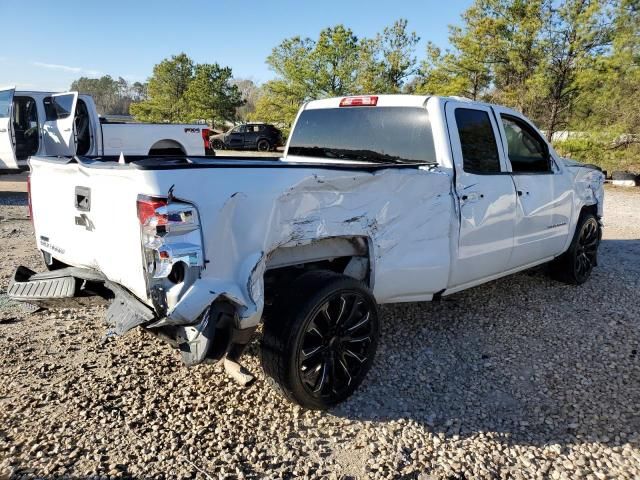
(389, 207)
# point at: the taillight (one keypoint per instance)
(170, 234)
(205, 137)
(148, 210)
(29, 197)
(363, 101)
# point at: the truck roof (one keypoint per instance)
(389, 100)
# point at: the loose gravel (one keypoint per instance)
(520, 378)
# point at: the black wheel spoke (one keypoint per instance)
(311, 376)
(352, 354)
(342, 305)
(312, 352)
(359, 339)
(323, 377)
(362, 322)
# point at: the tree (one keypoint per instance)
(104, 91)
(210, 95)
(337, 63)
(166, 91)
(577, 35)
(250, 93)
(278, 103)
(334, 61)
(397, 47)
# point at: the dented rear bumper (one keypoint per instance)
(77, 287)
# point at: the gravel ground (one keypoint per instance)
(520, 378)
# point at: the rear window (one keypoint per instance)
(385, 134)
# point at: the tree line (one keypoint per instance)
(569, 66)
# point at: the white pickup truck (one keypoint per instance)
(378, 199)
(46, 123)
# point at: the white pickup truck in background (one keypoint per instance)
(378, 199)
(59, 124)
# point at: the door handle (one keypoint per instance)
(67, 130)
(3, 130)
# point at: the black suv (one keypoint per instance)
(249, 136)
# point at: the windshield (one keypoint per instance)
(373, 134)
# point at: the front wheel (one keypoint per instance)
(321, 340)
(576, 264)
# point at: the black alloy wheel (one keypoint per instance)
(320, 338)
(335, 345)
(587, 249)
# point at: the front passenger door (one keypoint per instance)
(485, 194)
(236, 137)
(545, 196)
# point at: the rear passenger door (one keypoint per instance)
(7, 150)
(544, 195)
(251, 136)
(58, 135)
(485, 193)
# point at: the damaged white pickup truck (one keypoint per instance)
(378, 199)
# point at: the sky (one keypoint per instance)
(47, 44)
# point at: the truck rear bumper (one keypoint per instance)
(78, 287)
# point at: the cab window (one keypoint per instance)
(477, 140)
(58, 107)
(5, 102)
(527, 151)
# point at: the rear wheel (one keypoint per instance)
(576, 264)
(264, 145)
(217, 144)
(320, 341)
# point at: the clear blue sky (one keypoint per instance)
(47, 44)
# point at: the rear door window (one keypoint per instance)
(6, 97)
(478, 141)
(376, 134)
(58, 107)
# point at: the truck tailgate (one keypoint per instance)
(87, 218)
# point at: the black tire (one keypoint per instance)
(315, 356)
(574, 267)
(263, 145)
(217, 145)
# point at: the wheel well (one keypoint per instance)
(346, 255)
(167, 147)
(590, 209)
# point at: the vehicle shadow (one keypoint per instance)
(524, 358)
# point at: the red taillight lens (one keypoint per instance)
(205, 137)
(147, 208)
(366, 101)
(29, 197)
